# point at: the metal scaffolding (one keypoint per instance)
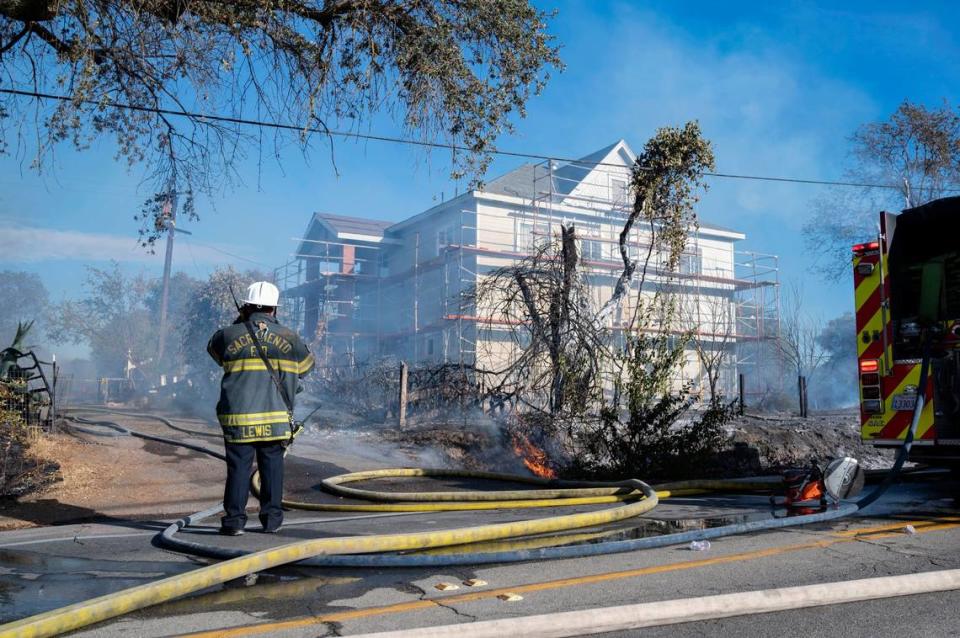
(329, 295)
(407, 296)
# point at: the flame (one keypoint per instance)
(533, 457)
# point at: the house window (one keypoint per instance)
(591, 248)
(618, 191)
(530, 235)
(691, 263)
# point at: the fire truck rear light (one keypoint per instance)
(865, 269)
(862, 248)
(871, 392)
(870, 365)
(873, 406)
(871, 378)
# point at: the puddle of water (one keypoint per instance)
(7, 591)
(238, 595)
(654, 527)
(18, 560)
(641, 528)
(31, 583)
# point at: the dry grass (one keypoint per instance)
(24, 466)
(77, 471)
(110, 476)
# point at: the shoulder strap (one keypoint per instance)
(273, 373)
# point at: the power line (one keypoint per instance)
(229, 254)
(196, 266)
(277, 125)
(399, 140)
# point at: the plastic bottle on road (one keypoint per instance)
(699, 546)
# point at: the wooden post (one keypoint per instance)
(802, 394)
(53, 395)
(806, 404)
(403, 394)
(742, 388)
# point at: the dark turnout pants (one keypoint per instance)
(239, 469)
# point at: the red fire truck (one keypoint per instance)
(907, 289)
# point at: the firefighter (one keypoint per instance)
(256, 403)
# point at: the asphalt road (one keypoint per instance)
(45, 568)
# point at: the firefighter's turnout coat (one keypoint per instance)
(250, 407)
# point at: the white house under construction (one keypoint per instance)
(362, 289)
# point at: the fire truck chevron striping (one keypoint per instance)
(903, 285)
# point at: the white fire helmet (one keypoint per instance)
(262, 293)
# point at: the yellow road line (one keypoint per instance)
(846, 536)
(922, 524)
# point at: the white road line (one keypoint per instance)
(77, 538)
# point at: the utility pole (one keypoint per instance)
(170, 223)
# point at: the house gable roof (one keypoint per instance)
(343, 227)
(525, 180)
(342, 224)
(572, 174)
(516, 183)
(521, 181)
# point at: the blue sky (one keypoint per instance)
(778, 88)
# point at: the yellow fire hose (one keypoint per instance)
(552, 494)
(111, 605)
(513, 499)
(108, 606)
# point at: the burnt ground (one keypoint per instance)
(70, 477)
(758, 444)
(779, 440)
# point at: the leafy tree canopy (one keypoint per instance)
(454, 71)
(116, 316)
(112, 318)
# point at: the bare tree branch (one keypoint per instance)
(917, 149)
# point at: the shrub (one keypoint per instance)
(15, 465)
(647, 430)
